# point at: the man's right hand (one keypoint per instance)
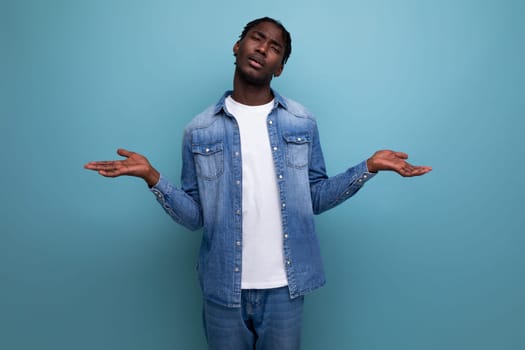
(134, 165)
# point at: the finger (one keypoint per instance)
(110, 173)
(99, 165)
(401, 155)
(407, 170)
(422, 168)
(418, 171)
(112, 169)
(109, 168)
(124, 153)
(94, 165)
(90, 166)
(425, 169)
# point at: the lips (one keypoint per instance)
(256, 61)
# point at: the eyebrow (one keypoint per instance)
(264, 36)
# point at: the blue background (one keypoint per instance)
(426, 263)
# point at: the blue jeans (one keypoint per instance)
(268, 319)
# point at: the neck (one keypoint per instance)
(251, 94)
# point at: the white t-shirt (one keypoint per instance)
(262, 249)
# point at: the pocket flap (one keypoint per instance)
(297, 138)
(207, 149)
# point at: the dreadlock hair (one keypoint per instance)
(286, 35)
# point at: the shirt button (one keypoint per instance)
(275, 148)
(365, 176)
(360, 180)
(347, 192)
(270, 122)
(284, 205)
(236, 269)
(236, 154)
(298, 139)
(207, 150)
(238, 182)
(286, 235)
(238, 243)
(237, 212)
(280, 176)
(288, 262)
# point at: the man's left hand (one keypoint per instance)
(395, 161)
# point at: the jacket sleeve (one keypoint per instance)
(182, 204)
(328, 192)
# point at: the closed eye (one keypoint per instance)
(257, 36)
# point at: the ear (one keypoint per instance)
(279, 71)
(236, 48)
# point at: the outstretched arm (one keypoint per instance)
(182, 205)
(134, 165)
(328, 192)
(394, 161)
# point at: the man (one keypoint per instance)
(253, 176)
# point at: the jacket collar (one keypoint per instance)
(221, 106)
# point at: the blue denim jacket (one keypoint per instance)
(210, 195)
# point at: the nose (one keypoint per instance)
(262, 48)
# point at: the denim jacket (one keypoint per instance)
(210, 195)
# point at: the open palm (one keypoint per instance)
(134, 164)
(395, 161)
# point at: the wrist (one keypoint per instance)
(152, 177)
(371, 166)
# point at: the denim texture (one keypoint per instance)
(210, 195)
(267, 320)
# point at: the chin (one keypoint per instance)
(253, 79)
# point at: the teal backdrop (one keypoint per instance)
(426, 263)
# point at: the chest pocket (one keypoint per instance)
(209, 160)
(297, 150)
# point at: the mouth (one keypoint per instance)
(256, 61)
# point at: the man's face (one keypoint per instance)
(259, 55)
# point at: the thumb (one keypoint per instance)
(401, 155)
(124, 153)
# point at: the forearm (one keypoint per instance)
(329, 192)
(181, 206)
